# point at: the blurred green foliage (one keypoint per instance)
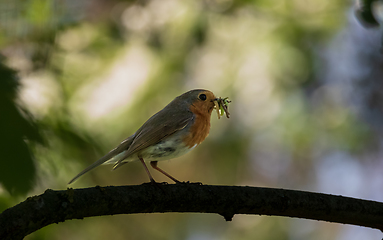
(16, 128)
(91, 72)
(39, 12)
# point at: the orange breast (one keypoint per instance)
(201, 126)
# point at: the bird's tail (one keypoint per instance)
(113, 156)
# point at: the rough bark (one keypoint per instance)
(58, 206)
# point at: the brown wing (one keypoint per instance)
(164, 123)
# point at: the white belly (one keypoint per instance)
(164, 150)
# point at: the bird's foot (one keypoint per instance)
(157, 184)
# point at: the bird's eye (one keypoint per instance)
(202, 97)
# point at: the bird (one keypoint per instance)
(173, 131)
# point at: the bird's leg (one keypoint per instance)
(147, 170)
(154, 165)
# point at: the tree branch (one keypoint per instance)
(58, 206)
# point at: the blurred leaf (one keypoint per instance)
(39, 12)
(17, 169)
(365, 15)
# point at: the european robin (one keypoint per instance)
(175, 130)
